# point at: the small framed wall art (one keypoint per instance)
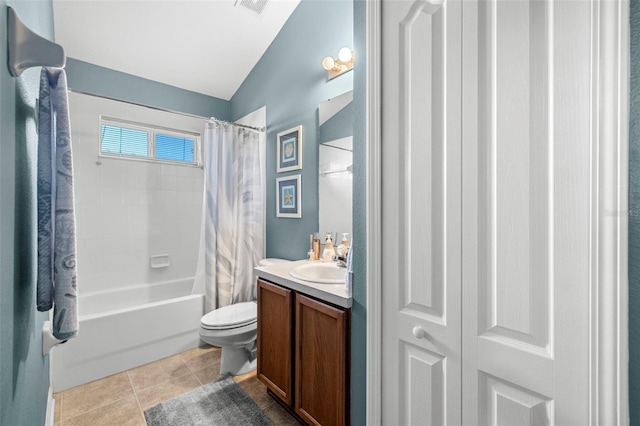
(288, 197)
(290, 149)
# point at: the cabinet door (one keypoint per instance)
(275, 339)
(321, 370)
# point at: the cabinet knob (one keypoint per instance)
(419, 332)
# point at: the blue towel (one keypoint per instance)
(348, 277)
(56, 218)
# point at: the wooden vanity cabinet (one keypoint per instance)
(321, 361)
(275, 332)
(319, 344)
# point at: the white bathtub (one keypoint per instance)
(126, 328)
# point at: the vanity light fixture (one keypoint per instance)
(336, 67)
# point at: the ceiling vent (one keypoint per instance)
(256, 6)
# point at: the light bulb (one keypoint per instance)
(344, 54)
(328, 63)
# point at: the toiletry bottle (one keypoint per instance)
(310, 253)
(343, 247)
(316, 246)
(328, 252)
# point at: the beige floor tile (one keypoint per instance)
(199, 358)
(124, 412)
(255, 389)
(157, 372)
(280, 416)
(166, 390)
(248, 376)
(96, 394)
(208, 374)
(111, 401)
(58, 410)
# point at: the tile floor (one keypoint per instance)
(121, 399)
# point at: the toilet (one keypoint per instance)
(234, 328)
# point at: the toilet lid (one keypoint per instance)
(231, 316)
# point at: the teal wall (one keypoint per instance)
(94, 79)
(24, 372)
(634, 215)
(359, 309)
(290, 82)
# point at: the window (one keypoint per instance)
(139, 141)
(176, 148)
(124, 141)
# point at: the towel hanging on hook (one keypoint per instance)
(27, 49)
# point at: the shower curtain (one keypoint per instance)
(233, 212)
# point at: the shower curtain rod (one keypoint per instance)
(185, 114)
(217, 120)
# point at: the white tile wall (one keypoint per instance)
(128, 211)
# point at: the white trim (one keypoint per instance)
(609, 214)
(374, 208)
(51, 409)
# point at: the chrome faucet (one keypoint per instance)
(341, 261)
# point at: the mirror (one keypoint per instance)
(335, 164)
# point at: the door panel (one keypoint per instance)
(514, 171)
(421, 199)
(515, 229)
(422, 94)
(424, 375)
(523, 361)
(505, 404)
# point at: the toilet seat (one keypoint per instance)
(230, 317)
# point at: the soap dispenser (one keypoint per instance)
(343, 248)
(345, 239)
(328, 252)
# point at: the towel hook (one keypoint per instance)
(27, 49)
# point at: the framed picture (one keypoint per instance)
(290, 149)
(288, 197)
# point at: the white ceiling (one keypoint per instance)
(207, 46)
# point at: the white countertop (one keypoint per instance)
(279, 274)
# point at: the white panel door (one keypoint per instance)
(486, 141)
(526, 183)
(421, 200)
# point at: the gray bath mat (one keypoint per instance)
(222, 402)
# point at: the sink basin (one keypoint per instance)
(324, 273)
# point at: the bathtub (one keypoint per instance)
(126, 328)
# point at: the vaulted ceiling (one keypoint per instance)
(206, 46)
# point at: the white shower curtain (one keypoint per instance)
(233, 213)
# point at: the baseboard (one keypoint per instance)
(51, 409)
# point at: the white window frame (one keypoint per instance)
(151, 141)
